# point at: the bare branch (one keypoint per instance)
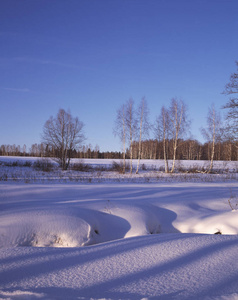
(64, 134)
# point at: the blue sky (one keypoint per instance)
(91, 56)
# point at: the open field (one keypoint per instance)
(35, 170)
(98, 234)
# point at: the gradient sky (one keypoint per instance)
(91, 56)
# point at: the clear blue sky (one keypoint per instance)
(91, 56)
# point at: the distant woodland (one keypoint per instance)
(151, 149)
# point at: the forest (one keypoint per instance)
(151, 149)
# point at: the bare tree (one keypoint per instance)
(162, 132)
(64, 134)
(179, 124)
(231, 88)
(212, 132)
(24, 149)
(96, 151)
(142, 115)
(131, 125)
(125, 128)
(120, 130)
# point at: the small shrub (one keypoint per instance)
(44, 165)
(147, 179)
(99, 174)
(193, 169)
(81, 167)
(4, 177)
(100, 169)
(143, 167)
(14, 177)
(16, 163)
(233, 201)
(118, 167)
(27, 164)
(11, 163)
(162, 169)
(180, 168)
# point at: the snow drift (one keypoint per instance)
(119, 241)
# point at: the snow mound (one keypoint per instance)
(142, 241)
(75, 227)
(40, 228)
(75, 216)
(213, 223)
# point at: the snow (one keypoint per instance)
(169, 266)
(127, 239)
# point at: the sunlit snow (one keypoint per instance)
(119, 237)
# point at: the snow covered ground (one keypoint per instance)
(22, 169)
(113, 236)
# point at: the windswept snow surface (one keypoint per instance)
(165, 266)
(119, 240)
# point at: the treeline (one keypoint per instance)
(42, 150)
(150, 149)
(188, 150)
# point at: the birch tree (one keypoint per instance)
(120, 130)
(142, 115)
(179, 124)
(64, 134)
(131, 125)
(162, 133)
(212, 132)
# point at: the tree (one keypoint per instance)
(142, 115)
(231, 88)
(131, 126)
(125, 128)
(120, 130)
(171, 126)
(24, 149)
(179, 124)
(64, 134)
(96, 151)
(162, 133)
(212, 132)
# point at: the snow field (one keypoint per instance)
(21, 169)
(115, 240)
(80, 215)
